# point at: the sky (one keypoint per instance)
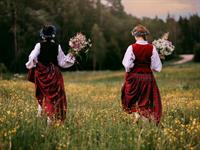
(160, 8)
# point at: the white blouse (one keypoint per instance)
(129, 58)
(64, 61)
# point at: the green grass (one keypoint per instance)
(95, 120)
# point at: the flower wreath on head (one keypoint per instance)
(139, 33)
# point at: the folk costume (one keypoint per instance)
(140, 93)
(44, 61)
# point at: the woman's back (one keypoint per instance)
(48, 53)
(143, 55)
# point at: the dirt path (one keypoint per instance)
(185, 58)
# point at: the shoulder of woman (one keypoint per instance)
(151, 45)
(37, 45)
(130, 48)
(154, 48)
(59, 46)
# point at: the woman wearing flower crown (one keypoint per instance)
(44, 62)
(140, 93)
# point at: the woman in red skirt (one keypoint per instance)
(44, 62)
(140, 93)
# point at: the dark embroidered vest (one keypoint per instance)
(143, 55)
(48, 53)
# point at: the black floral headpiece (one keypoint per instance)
(48, 31)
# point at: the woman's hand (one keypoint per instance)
(70, 58)
(162, 56)
(71, 55)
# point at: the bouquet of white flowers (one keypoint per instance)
(163, 46)
(79, 43)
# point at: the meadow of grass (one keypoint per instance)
(95, 119)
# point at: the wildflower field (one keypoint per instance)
(95, 119)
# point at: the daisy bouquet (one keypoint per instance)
(164, 46)
(79, 43)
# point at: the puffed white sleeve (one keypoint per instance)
(156, 64)
(65, 61)
(128, 60)
(32, 61)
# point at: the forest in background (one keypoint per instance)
(107, 24)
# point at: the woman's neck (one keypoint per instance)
(139, 39)
(48, 40)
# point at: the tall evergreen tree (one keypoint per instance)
(98, 48)
(21, 20)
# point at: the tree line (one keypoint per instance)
(107, 24)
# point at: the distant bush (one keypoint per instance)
(197, 52)
(3, 68)
(4, 73)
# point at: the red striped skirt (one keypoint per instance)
(50, 90)
(140, 94)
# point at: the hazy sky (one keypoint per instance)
(151, 8)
